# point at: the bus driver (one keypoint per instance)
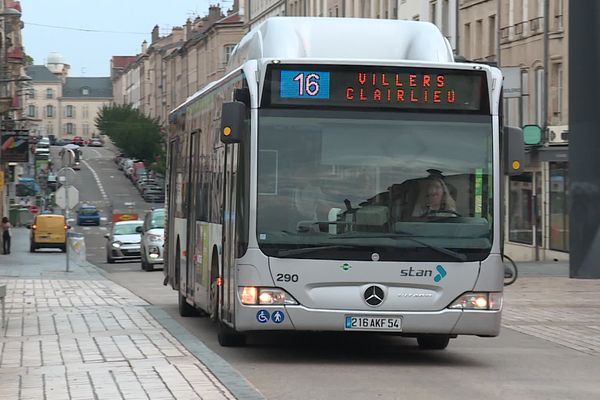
(434, 197)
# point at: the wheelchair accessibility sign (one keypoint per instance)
(263, 316)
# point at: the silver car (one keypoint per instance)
(153, 238)
(123, 241)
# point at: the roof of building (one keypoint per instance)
(96, 87)
(122, 62)
(41, 73)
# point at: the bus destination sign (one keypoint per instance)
(378, 87)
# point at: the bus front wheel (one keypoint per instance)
(229, 337)
(433, 342)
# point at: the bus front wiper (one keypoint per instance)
(443, 250)
(306, 250)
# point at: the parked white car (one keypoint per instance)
(153, 239)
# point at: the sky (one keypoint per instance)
(87, 33)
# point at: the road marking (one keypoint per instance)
(95, 151)
(96, 178)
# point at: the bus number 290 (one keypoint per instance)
(287, 278)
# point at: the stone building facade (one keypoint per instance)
(63, 106)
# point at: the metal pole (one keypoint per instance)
(67, 219)
(72, 158)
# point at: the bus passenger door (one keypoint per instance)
(192, 187)
(170, 269)
(230, 214)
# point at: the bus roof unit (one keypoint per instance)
(350, 38)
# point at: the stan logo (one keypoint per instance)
(416, 272)
(345, 266)
(441, 273)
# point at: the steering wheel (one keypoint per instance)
(441, 213)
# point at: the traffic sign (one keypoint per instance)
(60, 198)
(34, 209)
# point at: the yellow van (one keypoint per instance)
(48, 230)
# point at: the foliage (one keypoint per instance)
(134, 133)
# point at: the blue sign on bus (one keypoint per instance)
(304, 85)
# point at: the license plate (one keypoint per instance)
(373, 323)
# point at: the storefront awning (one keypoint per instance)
(548, 153)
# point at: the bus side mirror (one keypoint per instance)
(532, 135)
(514, 151)
(233, 122)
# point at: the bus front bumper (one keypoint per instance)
(299, 318)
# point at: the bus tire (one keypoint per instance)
(433, 342)
(186, 310)
(229, 337)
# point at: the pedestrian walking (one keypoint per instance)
(6, 235)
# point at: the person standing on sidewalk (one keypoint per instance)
(6, 235)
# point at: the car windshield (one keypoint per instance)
(126, 229)
(158, 220)
(347, 185)
(88, 211)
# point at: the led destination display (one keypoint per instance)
(373, 87)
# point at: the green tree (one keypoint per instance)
(134, 133)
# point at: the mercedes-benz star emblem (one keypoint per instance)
(374, 295)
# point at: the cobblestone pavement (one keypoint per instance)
(558, 309)
(79, 336)
(92, 339)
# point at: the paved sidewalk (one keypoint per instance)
(78, 335)
(555, 308)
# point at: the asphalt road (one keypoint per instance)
(326, 366)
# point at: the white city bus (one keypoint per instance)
(343, 176)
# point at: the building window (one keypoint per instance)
(85, 91)
(520, 227)
(558, 14)
(445, 28)
(31, 111)
(558, 90)
(70, 111)
(432, 11)
(492, 36)
(559, 206)
(31, 93)
(49, 111)
(478, 39)
(467, 46)
(49, 93)
(540, 99)
(85, 130)
(524, 98)
(70, 128)
(228, 49)
(85, 111)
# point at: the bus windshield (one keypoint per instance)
(374, 185)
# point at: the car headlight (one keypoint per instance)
(116, 244)
(478, 301)
(251, 295)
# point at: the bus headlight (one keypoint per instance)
(478, 301)
(251, 295)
